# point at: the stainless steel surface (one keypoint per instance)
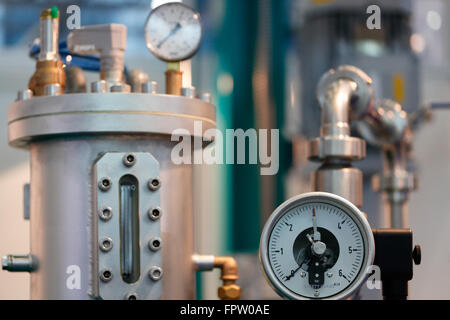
(109, 40)
(388, 127)
(341, 147)
(341, 89)
(395, 184)
(130, 260)
(345, 182)
(346, 205)
(106, 113)
(66, 135)
(345, 95)
(49, 35)
(60, 226)
(203, 262)
(385, 124)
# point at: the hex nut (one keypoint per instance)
(106, 244)
(105, 184)
(155, 273)
(24, 94)
(149, 87)
(122, 87)
(154, 184)
(154, 213)
(129, 160)
(106, 275)
(229, 292)
(105, 213)
(155, 244)
(131, 296)
(100, 86)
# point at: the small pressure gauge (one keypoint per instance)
(316, 246)
(173, 32)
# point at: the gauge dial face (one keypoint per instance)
(173, 32)
(317, 246)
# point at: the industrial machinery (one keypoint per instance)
(388, 127)
(383, 53)
(111, 215)
(319, 245)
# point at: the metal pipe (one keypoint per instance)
(388, 128)
(397, 209)
(336, 107)
(396, 183)
(19, 263)
(49, 33)
(344, 94)
(229, 274)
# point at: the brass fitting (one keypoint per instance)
(47, 72)
(174, 78)
(49, 67)
(229, 268)
(173, 82)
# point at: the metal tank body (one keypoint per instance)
(67, 136)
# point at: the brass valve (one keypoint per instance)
(229, 289)
(49, 67)
(47, 72)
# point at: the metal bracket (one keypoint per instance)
(109, 278)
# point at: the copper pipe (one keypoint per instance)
(229, 274)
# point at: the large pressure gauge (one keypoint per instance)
(316, 246)
(173, 32)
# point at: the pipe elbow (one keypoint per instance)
(345, 93)
(228, 267)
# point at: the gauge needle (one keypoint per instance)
(171, 33)
(299, 267)
(316, 234)
(293, 273)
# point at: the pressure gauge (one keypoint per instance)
(173, 32)
(316, 246)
